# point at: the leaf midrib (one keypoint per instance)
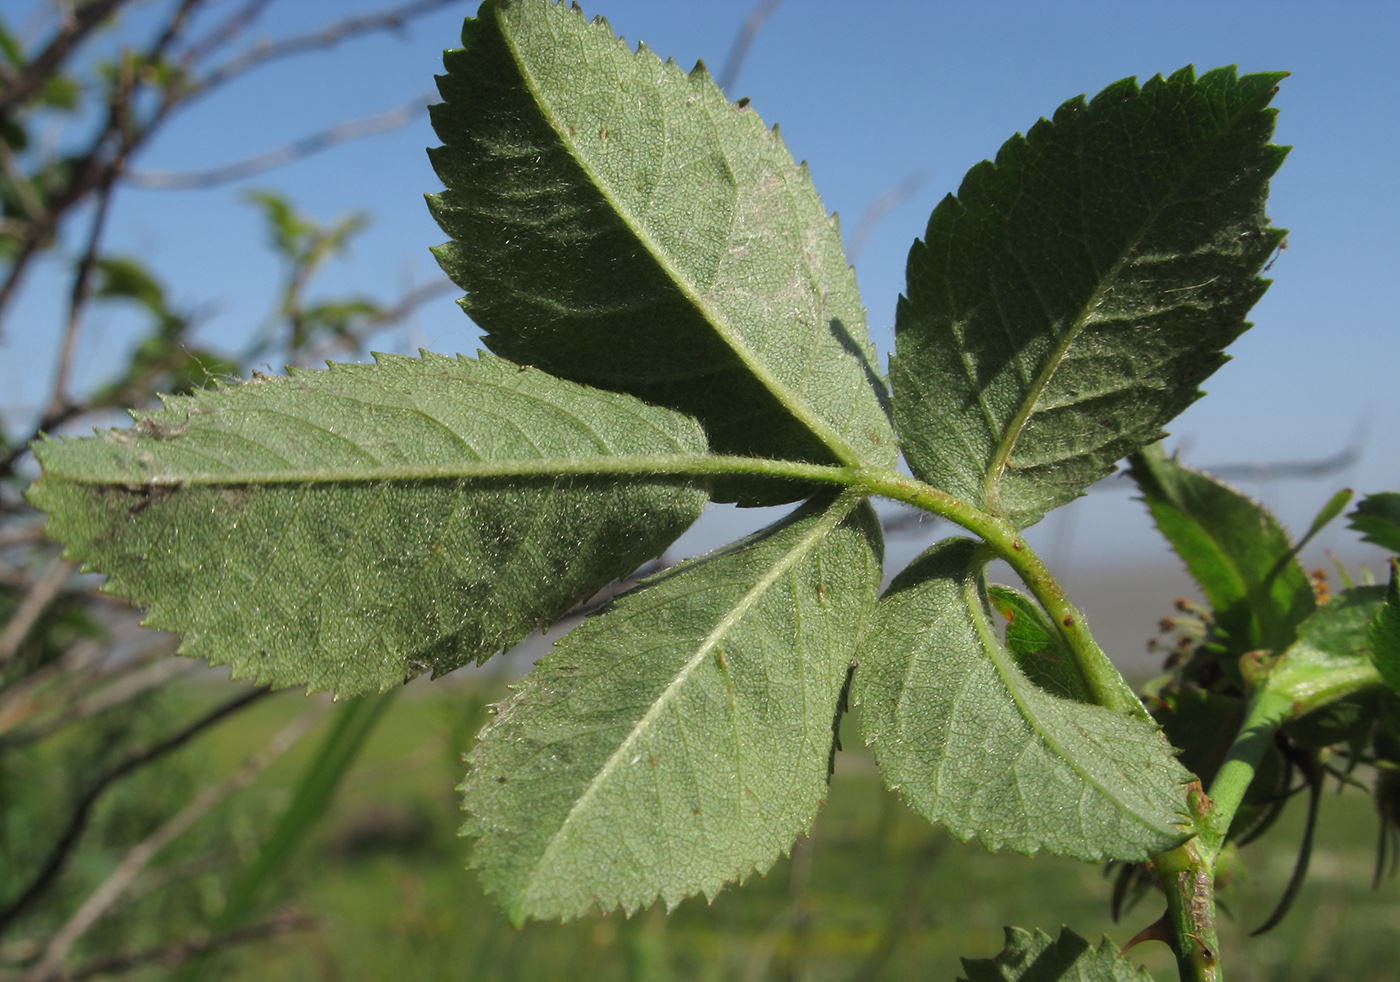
(640, 466)
(1002, 456)
(790, 401)
(834, 515)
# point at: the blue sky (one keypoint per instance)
(869, 95)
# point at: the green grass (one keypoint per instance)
(875, 893)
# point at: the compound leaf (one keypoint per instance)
(1034, 957)
(973, 745)
(617, 222)
(681, 738)
(1068, 302)
(1234, 548)
(349, 529)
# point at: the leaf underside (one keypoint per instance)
(349, 583)
(1034, 957)
(1233, 547)
(973, 745)
(617, 222)
(681, 738)
(1072, 297)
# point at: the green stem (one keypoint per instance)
(1187, 873)
(1267, 712)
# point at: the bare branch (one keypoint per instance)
(155, 667)
(43, 66)
(19, 265)
(224, 33)
(173, 956)
(410, 302)
(393, 19)
(111, 890)
(171, 32)
(1284, 470)
(63, 848)
(1279, 470)
(77, 301)
(18, 701)
(45, 590)
(743, 41)
(26, 533)
(305, 147)
(57, 417)
(876, 211)
(119, 138)
(24, 188)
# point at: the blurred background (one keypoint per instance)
(194, 189)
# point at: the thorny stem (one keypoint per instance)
(1187, 873)
(1188, 879)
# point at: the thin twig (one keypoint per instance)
(410, 302)
(173, 956)
(171, 32)
(58, 855)
(40, 596)
(64, 413)
(876, 211)
(111, 890)
(23, 187)
(905, 913)
(224, 34)
(133, 678)
(280, 157)
(743, 41)
(21, 534)
(393, 19)
(77, 301)
(106, 157)
(69, 668)
(1292, 469)
(19, 265)
(45, 64)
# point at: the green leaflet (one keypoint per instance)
(1236, 551)
(619, 223)
(1068, 302)
(972, 744)
(1377, 517)
(1384, 633)
(349, 529)
(681, 738)
(1331, 658)
(1036, 645)
(1034, 957)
